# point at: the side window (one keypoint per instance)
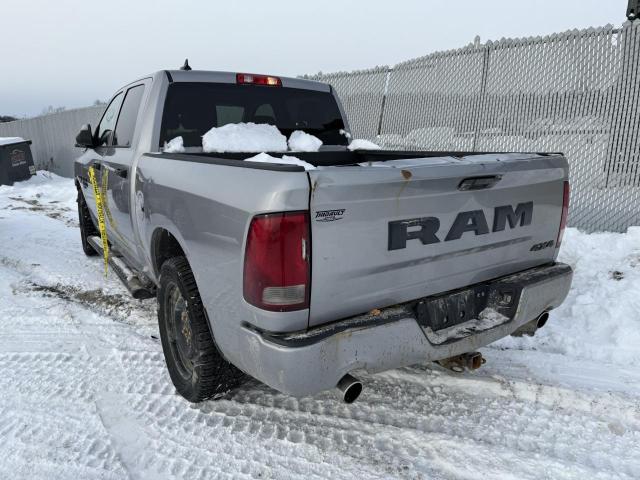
(126, 125)
(108, 122)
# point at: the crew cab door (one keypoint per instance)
(116, 167)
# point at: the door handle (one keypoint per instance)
(479, 183)
(121, 172)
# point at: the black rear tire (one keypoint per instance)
(87, 228)
(197, 369)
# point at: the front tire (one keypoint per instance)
(87, 228)
(197, 369)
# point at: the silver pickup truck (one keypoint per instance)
(298, 277)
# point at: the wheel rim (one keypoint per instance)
(179, 331)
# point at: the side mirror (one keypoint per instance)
(85, 137)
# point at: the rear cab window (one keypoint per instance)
(229, 114)
(192, 109)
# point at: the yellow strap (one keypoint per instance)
(105, 205)
(99, 196)
(107, 210)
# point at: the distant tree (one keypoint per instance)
(51, 109)
(7, 118)
(99, 102)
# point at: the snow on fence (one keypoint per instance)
(576, 92)
(53, 137)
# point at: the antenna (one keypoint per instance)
(186, 65)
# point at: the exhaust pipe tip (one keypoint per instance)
(350, 388)
(542, 319)
(534, 325)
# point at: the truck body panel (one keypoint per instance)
(471, 242)
(211, 226)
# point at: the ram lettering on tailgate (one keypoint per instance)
(426, 229)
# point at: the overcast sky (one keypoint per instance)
(70, 53)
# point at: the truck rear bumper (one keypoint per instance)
(304, 363)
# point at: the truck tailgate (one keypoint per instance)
(406, 229)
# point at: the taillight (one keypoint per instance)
(276, 262)
(250, 78)
(565, 213)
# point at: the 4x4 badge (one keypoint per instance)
(541, 246)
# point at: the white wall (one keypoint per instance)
(53, 137)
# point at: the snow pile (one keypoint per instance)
(600, 319)
(286, 159)
(361, 144)
(300, 141)
(175, 145)
(10, 140)
(244, 137)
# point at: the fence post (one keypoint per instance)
(384, 99)
(481, 96)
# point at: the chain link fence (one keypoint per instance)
(362, 96)
(576, 92)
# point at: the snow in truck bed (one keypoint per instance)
(85, 392)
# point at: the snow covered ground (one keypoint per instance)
(85, 393)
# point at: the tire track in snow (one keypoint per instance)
(507, 427)
(189, 426)
(352, 438)
(604, 405)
